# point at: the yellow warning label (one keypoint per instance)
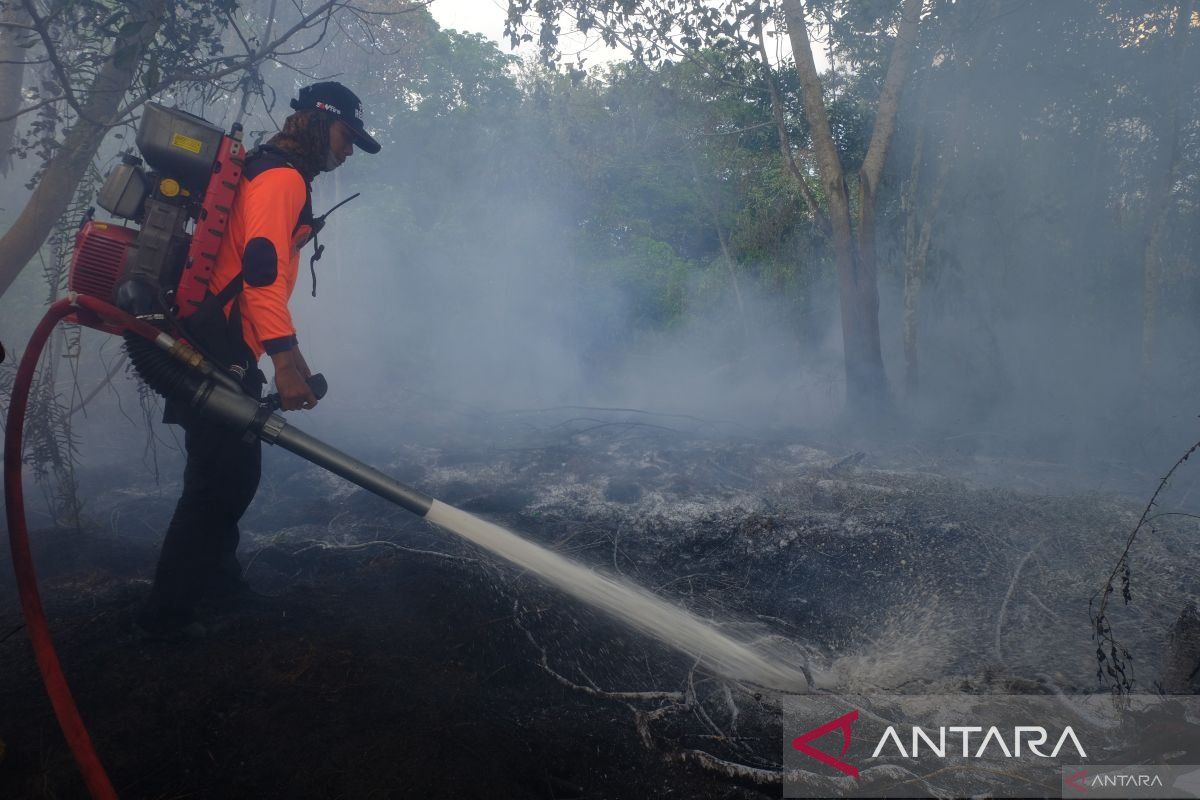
(186, 143)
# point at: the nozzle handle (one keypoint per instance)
(317, 383)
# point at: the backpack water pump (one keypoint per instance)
(160, 269)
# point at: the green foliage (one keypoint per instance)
(650, 167)
(654, 279)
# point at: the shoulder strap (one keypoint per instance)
(265, 157)
(230, 290)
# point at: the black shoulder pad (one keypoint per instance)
(261, 159)
(260, 262)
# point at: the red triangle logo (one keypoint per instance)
(843, 724)
(1078, 781)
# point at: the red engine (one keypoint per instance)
(100, 249)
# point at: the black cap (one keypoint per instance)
(334, 98)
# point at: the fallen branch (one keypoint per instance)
(318, 545)
(622, 411)
(674, 703)
(12, 633)
(1012, 585)
(544, 663)
(642, 720)
(731, 769)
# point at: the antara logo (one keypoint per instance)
(1030, 736)
(993, 735)
(1078, 781)
(842, 723)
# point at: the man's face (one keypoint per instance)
(341, 142)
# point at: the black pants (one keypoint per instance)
(219, 482)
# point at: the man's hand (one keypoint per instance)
(290, 374)
(301, 364)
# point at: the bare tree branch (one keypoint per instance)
(237, 64)
(40, 27)
(397, 12)
(48, 101)
(785, 145)
(889, 97)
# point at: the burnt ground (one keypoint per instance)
(391, 660)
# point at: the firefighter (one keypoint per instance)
(244, 318)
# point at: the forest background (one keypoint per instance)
(662, 232)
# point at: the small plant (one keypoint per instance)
(1114, 662)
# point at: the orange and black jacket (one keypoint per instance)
(271, 221)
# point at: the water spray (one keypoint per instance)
(175, 370)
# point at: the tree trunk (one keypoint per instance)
(1157, 206)
(914, 278)
(866, 382)
(914, 262)
(919, 236)
(13, 18)
(100, 109)
(785, 144)
(722, 238)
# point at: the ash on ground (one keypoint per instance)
(392, 660)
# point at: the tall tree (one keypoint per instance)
(105, 63)
(956, 54)
(855, 247)
(1167, 165)
(654, 29)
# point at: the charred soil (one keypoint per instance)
(391, 660)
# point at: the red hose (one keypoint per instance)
(88, 308)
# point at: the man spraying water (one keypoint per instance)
(228, 299)
(245, 316)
